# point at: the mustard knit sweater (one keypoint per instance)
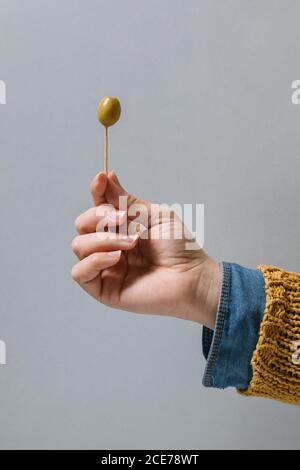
(276, 360)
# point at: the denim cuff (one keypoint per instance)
(229, 348)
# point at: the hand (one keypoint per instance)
(142, 274)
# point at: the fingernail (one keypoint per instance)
(114, 254)
(130, 238)
(113, 216)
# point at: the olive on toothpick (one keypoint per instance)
(108, 113)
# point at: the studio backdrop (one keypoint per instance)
(210, 116)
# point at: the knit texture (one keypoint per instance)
(276, 360)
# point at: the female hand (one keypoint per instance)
(152, 274)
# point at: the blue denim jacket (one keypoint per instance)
(229, 348)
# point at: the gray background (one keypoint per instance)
(207, 117)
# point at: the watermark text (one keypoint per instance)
(295, 97)
(2, 353)
(154, 221)
(2, 92)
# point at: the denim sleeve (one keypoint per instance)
(229, 348)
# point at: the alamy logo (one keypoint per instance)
(2, 353)
(296, 94)
(2, 92)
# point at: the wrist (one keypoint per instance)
(205, 293)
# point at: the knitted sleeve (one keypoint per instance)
(276, 360)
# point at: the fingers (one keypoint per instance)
(134, 205)
(89, 268)
(98, 218)
(106, 188)
(85, 245)
(114, 190)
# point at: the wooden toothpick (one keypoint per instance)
(106, 149)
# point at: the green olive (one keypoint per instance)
(109, 111)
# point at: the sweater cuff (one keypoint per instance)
(276, 361)
(229, 348)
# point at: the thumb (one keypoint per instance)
(114, 190)
(98, 187)
(106, 188)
